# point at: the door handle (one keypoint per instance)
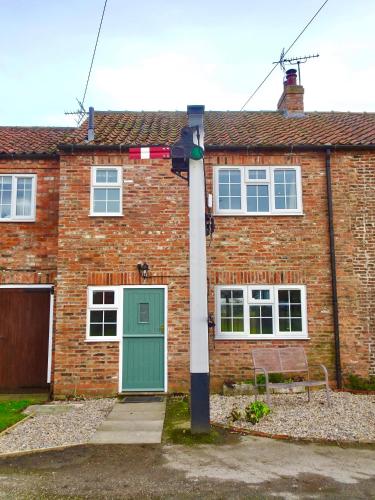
(162, 328)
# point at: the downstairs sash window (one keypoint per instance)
(102, 314)
(261, 312)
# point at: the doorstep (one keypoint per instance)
(141, 393)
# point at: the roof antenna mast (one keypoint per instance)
(291, 61)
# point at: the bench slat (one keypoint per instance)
(306, 383)
(284, 360)
(268, 359)
(293, 358)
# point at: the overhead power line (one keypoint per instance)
(285, 53)
(93, 54)
(81, 112)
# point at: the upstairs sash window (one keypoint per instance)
(106, 191)
(17, 197)
(268, 190)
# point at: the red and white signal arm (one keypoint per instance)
(149, 152)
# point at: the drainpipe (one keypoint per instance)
(336, 326)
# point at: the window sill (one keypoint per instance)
(106, 215)
(103, 339)
(244, 336)
(265, 214)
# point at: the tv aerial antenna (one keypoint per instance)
(80, 113)
(291, 61)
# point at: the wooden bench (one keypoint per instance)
(285, 360)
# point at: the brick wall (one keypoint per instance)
(354, 218)
(106, 250)
(244, 250)
(276, 250)
(154, 228)
(28, 250)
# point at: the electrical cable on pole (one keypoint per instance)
(284, 54)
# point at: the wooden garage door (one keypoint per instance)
(24, 326)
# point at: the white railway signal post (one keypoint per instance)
(187, 157)
(187, 162)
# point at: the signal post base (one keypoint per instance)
(200, 403)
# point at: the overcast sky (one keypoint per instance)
(165, 54)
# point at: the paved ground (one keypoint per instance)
(132, 423)
(247, 468)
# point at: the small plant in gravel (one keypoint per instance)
(76, 397)
(255, 411)
(361, 384)
(235, 414)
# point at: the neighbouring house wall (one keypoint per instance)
(28, 250)
(353, 177)
(295, 250)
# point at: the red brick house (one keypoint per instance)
(291, 260)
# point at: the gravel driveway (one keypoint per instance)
(349, 418)
(74, 426)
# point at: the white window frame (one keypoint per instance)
(269, 181)
(105, 185)
(248, 301)
(103, 307)
(21, 218)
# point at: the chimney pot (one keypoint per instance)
(291, 77)
(291, 100)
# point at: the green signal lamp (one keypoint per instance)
(185, 149)
(196, 152)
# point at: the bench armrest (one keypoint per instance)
(325, 371)
(265, 372)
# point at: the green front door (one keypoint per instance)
(143, 340)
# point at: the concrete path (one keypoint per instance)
(132, 423)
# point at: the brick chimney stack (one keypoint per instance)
(291, 100)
